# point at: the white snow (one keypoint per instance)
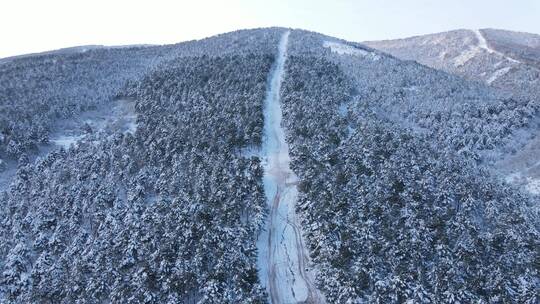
(282, 256)
(123, 117)
(482, 43)
(533, 186)
(529, 184)
(131, 127)
(474, 50)
(345, 49)
(443, 55)
(519, 163)
(412, 88)
(119, 116)
(465, 56)
(250, 151)
(7, 172)
(66, 140)
(498, 73)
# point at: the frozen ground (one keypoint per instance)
(283, 258)
(119, 116)
(477, 49)
(497, 74)
(482, 43)
(345, 49)
(522, 168)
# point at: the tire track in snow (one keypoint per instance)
(282, 255)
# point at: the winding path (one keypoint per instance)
(283, 257)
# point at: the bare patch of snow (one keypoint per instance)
(345, 49)
(433, 40)
(124, 117)
(474, 50)
(465, 56)
(411, 88)
(533, 186)
(443, 55)
(521, 166)
(350, 131)
(529, 184)
(119, 116)
(342, 109)
(8, 170)
(482, 43)
(66, 141)
(498, 73)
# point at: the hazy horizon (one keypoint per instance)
(62, 24)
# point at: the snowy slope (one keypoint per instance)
(505, 60)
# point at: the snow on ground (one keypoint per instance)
(119, 116)
(522, 166)
(477, 49)
(66, 141)
(465, 56)
(443, 55)
(343, 111)
(412, 88)
(282, 256)
(482, 43)
(498, 73)
(531, 185)
(432, 40)
(345, 49)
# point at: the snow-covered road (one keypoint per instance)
(283, 257)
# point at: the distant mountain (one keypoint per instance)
(503, 59)
(266, 165)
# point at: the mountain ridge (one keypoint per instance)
(467, 53)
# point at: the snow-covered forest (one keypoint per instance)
(169, 214)
(397, 206)
(389, 162)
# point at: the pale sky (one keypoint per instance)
(28, 26)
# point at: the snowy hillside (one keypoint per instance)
(505, 60)
(265, 166)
